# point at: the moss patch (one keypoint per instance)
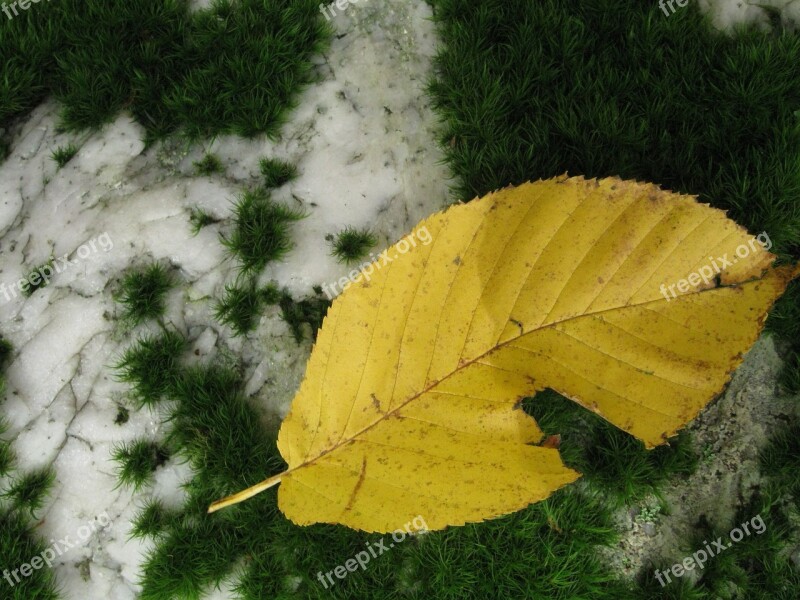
(233, 68)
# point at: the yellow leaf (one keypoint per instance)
(410, 404)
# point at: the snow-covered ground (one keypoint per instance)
(364, 142)
(725, 14)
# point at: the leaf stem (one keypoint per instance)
(245, 494)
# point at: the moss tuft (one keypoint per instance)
(276, 172)
(30, 490)
(208, 165)
(151, 366)
(351, 244)
(261, 231)
(137, 461)
(64, 154)
(143, 292)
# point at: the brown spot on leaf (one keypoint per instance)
(359, 483)
(552, 441)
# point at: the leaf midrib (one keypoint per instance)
(350, 439)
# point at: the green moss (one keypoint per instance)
(31, 46)
(151, 366)
(123, 415)
(243, 302)
(6, 457)
(64, 154)
(142, 293)
(298, 313)
(214, 426)
(29, 491)
(152, 520)
(544, 551)
(270, 294)
(261, 231)
(781, 458)
(38, 278)
(276, 172)
(137, 461)
(790, 377)
(784, 320)
(351, 244)
(18, 544)
(182, 567)
(200, 218)
(614, 463)
(236, 67)
(209, 165)
(239, 307)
